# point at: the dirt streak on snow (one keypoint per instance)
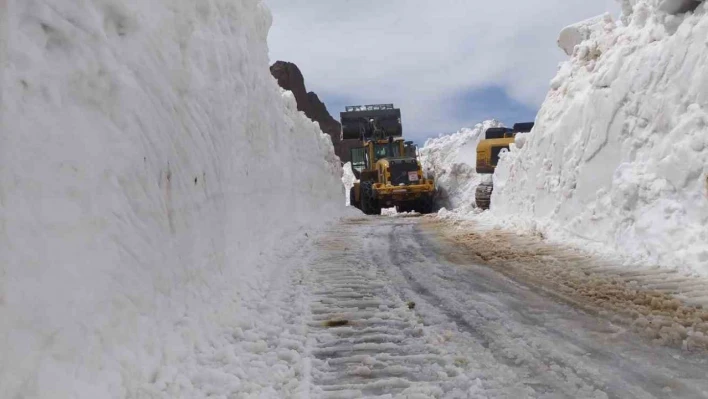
(661, 305)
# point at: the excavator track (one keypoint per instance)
(483, 195)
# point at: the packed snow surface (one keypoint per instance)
(149, 169)
(397, 312)
(451, 160)
(619, 154)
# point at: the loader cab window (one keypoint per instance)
(410, 149)
(358, 156)
(386, 151)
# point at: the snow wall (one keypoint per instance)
(149, 164)
(619, 153)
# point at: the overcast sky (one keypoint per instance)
(446, 63)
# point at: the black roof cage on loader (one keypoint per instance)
(377, 121)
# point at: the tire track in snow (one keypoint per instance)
(472, 333)
(615, 363)
(365, 340)
(545, 372)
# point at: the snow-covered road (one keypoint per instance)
(396, 312)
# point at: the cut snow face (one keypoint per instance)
(575, 34)
(619, 154)
(149, 163)
(672, 7)
(451, 160)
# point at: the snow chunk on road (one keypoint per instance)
(150, 164)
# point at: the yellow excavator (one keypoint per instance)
(386, 166)
(496, 141)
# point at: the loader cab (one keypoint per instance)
(378, 127)
(386, 150)
(364, 158)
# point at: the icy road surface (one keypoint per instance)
(391, 315)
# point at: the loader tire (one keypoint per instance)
(483, 195)
(404, 208)
(352, 199)
(425, 205)
(369, 204)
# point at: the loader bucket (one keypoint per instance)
(358, 121)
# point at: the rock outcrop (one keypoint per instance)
(290, 78)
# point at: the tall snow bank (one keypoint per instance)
(452, 160)
(619, 154)
(672, 7)
(149, 164)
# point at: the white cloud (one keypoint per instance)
(420, 54)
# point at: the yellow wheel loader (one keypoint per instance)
(496, 140)
(386, 166)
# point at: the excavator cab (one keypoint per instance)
(496, 141)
